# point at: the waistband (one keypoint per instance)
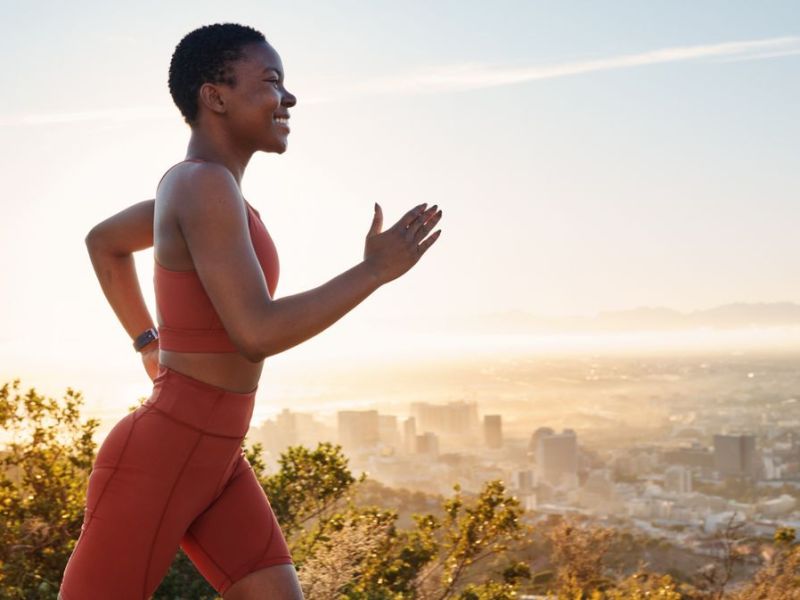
(201, 405)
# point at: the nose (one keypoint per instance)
(288, 99)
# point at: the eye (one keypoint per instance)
(275, 81)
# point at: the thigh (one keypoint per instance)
(150, 479)
(238, 533)
(278, 582)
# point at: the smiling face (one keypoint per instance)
(256, 109)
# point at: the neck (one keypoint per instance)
(217, 147)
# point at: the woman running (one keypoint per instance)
(172, 473)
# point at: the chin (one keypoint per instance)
(276, 148)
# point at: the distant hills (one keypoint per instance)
(729, 316)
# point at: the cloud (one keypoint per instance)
(460, 77)
(116, 115)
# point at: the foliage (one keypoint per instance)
(641, 586)
(436, 558)
(183, 581)
(577, 558)
(779, 578)
(343, 549)
(343, 544)
(43, 477)
(308, 484)
(715, 577)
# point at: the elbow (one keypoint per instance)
(94, 240)
(255, 338)
(254, 350)
(91, 239)
(253, 355)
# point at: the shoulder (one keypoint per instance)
(204, 188)
(202, 177)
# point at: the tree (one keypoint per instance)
(43, 476)
(440, 558)
(342, 549)
(715, 577)
(779, 578)
(577, 557)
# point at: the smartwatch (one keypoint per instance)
(145, 338)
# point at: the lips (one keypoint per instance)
(282, 122)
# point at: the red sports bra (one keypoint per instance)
(188, 320)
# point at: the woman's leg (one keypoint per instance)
(153, 475)
(238, 539)
(278, 582)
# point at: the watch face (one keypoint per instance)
(145, 338)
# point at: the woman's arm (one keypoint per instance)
(111, 244)
(213, 221)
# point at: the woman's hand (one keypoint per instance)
(394, 251)
(150, 359)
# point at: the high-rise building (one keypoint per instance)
(410, 435)
(286, 421)
(735, 455)
(523, 479)
(428, 443)
(387, 430)
(493, 431)
(557, 457)
(533, 445)
(358, 429)
(453, 418)
(691, 456)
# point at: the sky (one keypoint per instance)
(587, 157)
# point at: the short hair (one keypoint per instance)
(205, 56)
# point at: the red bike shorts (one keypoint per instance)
(173, 473)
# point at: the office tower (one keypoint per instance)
(286, 422)
(358, 429)
(691, 456)
(410, 435)
(454, 418)
(735, 455)
(428, 444)
(493, 431)
(557, 457)
(523, 479)
(533, 445)
(387, 430)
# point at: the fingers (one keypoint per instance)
(427, 222)
(377, 221)
(407, 218)
(428, 242)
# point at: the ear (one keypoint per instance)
(212, 97)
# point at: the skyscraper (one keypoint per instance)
(387, 430)
(533, 445)
(428, 443)
(493, 431)
(557, 457)
(358, 429)
(735, 455)
(410, 435)
(454, 418)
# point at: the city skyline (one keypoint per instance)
(588, 160)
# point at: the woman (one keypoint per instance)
(173, 472)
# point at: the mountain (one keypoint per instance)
(729, 316)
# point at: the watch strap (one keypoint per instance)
(144, 338)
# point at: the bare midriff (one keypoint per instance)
(228, 370)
